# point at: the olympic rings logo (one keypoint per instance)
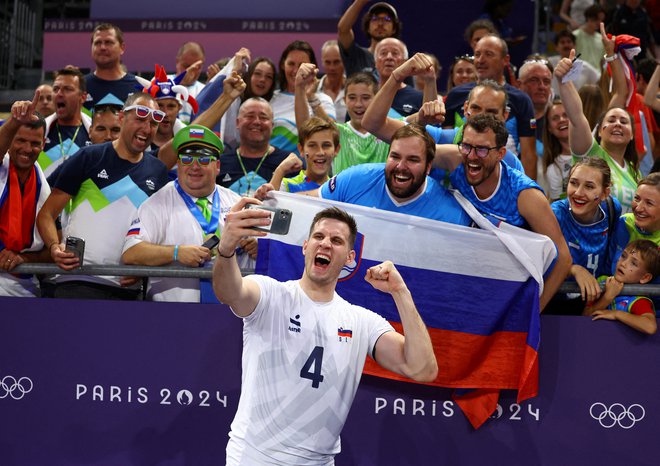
(617, 413)
(17, 389)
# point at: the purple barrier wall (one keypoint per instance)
(104, 383)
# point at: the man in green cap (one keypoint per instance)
(177, 224)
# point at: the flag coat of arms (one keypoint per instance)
(479, 300)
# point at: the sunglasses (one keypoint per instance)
(481, 151)
(468, 58)
(143, 112)
(202, 160)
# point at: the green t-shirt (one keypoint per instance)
(357, 148)
(624, 179)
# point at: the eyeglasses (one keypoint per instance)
(381, 19)
(481, 151)
(143, 112)
(202, 160)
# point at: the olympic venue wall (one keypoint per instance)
(106, 383)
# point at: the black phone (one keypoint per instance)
(280, 219)
(76, 246)
(211, 242)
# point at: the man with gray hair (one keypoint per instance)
(332, 82)
(254, 161)
(390, 54)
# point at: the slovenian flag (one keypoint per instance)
(196, 133)
(133, 231)
(341, 332)
(480, 303)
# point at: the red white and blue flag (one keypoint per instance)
(196, 133)
(480, 303)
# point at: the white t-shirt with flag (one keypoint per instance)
(302, 363)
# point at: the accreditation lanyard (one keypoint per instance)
(65, 155)
(208, 227)
(249, 179)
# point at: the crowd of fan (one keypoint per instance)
(562, 145)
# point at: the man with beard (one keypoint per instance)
(300, 375)
(401, 184)
(380, 22)
(502, 194)
(106, 184)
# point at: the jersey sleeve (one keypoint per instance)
(145, 226)
(642, 305)
(525, 116)
(336, 188)
(441, 136)
(71, 175)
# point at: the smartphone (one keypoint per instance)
(76, 246)
(280, 219)
(211, 242)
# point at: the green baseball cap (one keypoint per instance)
(197, 139)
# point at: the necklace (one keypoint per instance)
(250, 179)
(65, 155)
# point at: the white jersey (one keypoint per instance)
(165, 219)
(302, 363)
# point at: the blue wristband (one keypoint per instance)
(176, 252)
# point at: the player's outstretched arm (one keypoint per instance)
(412, 355)
(241, 294)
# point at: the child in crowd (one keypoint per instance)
(319, 144)
(638, 264)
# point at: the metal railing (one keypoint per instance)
(189, 272)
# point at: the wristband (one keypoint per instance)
(227, 257)
(176, 252)
(611, 58)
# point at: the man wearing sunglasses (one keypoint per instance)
(174, 226)
(380, 22)
(106, 183)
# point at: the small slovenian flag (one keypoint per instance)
(196, 133)
(133, 231)
(532, 123)
(344, 333)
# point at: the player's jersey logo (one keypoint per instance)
(349, 270)
(295, 324)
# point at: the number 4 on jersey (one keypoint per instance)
(312, 368)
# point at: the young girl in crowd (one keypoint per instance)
(615, 139)
(586, 218)
(639, 263)
(556, 151)
(461, 71)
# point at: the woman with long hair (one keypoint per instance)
(586, 218)
(615, 135)
(557, 158)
